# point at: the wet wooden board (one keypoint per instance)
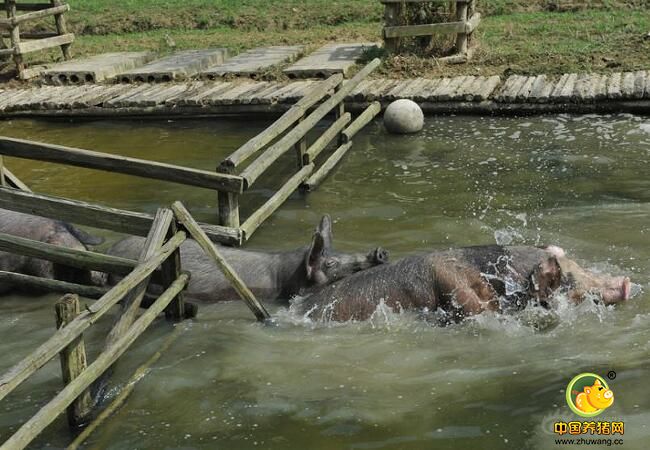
(95, 69)
(175, 67)
(252, 62)
(329, 60)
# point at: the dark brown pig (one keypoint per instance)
(49, 231)
(462, 282)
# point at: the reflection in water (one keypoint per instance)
(581, 182)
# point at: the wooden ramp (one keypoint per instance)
(96, 68)
(176, 67)
(253, 62)
(328, 60)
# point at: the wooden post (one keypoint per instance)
(10, 5)
(195, 231)
(61, 29)
(171, 270)
(3, 181)
(392, 15)
(339, 111)
(228, 203)
(301, 147)
(73, 360)
(461, 38)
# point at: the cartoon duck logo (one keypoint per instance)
(589, 395)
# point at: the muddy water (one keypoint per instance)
(582, 182)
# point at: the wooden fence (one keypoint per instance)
(466, 22)
(289, 131)
(169, 229)
(27, 42)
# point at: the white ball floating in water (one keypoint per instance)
(403, 117)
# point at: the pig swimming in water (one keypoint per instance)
(49, 231)
(269, 275)
(462, 282)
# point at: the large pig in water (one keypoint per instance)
(49, 231)
(461, 282)
(270, 276)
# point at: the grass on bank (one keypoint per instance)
(518, 36)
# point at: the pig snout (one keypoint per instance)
(617, 290)
(378, 256)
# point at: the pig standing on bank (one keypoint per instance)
(461, 282)
(269, 275)
(51, 232)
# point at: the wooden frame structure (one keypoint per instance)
(466, 22)
(169, 229)
(19, 46)
(290, 132)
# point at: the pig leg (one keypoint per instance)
(468, 289)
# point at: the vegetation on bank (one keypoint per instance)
(515, 36)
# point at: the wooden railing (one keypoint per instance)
(159, 261)
(331, 94)
(39, 40)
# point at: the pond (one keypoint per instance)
(491, 382)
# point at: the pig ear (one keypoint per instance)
(546, 276)
(325, 229)
(314, 254)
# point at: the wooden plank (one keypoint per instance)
(73, 360)
(81, 259)
(196, 99)
(443, 86)
(30, 282)
(614, 86)
(191, 88)
(358, 93)
(380, 90)
(253, 62)
(327, 167)
(584, 89)
(264, 212)
(83, 213)
(300, 89)
(41, 44)
(13, 181)
(252, 172)
(364, 119)
(97, 98)
(248, 97)
(449, 90)
(627, 85)
(228, 97)
(20, 148)
(193, 228)
(463, 89)
(567, 89)
(510, 95)
(426, 90)
(64, 336)
(329, 60)
(324, 139)
(35, 15)
(140, 98)
(46, 415)
(639, 84)
(647, 85)
(283, 123)
(61, 28)
(600, 93)
(526, 88)
(393, 94)
(487, 88)
(178, 66)
(265, 97)
(540, 86)
(557, 90)
(424, 30)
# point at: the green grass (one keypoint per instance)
(520, 36)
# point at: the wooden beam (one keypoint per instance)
(62, 28)
(13, 181)
(424, 30)
(47, 414)
(39, 357)
(364, 119)
(40, 14)
(73, 360)
(28, 6)
(42, 44)
(44, 284)
(324, 139)
(82, 213)
(259, 216)
(21, 148)
(325, 169)
(257, 167)
(473, 23)
(283, 123)
(185, 218)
